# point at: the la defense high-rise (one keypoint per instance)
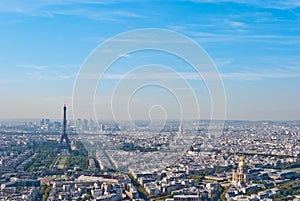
(64, 145)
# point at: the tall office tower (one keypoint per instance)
(42, 123)
(64, 140)
(85, 125)
(91, 125)
(101, 127)
(47, 121)
(79, 124)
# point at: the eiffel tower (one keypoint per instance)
(64, 140)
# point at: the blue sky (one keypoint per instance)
(254, 44)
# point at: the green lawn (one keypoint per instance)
(62, 162)
(294, 169)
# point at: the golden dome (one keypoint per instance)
(242, 161)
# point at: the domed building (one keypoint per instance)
(239, 177)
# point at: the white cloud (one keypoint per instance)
(241, 35)
(45, 73)
(60, 99)
(259, 75)
(34, 67)
(48, 76)
(237, 24)
(124, 55)
(222, 62)
(244, 75)
(59, 7)
(277, 4)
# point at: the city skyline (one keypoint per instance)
(255, 46)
